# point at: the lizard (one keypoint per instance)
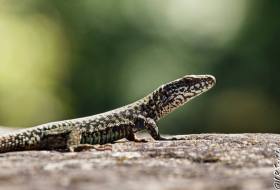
(108, 127)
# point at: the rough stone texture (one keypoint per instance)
(204, 161)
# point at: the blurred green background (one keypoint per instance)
(67, 59)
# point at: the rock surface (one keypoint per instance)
(202, 161)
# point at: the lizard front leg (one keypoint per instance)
(132, 137)
(150, 125)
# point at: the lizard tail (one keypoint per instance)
(17, 141)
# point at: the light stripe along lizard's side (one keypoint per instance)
(113, 125)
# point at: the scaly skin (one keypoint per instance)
(113, 125)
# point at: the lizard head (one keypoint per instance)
(174, 94)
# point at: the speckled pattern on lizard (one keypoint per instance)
(108, 127)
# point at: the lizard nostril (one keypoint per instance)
(211, 79)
